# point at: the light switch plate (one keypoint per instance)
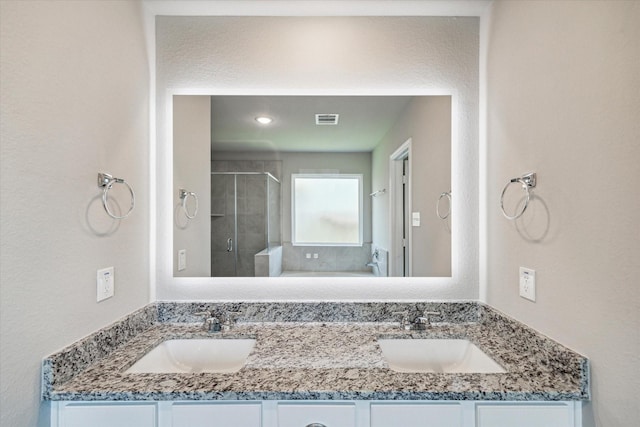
(182, 259)
(528, 283)
(105, 284)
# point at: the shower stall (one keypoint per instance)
(245, 221)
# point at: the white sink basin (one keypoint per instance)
(436, 355)
(195, 355)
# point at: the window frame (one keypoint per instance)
(359, 177)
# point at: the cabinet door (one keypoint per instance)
(416, 415)
(108, 415)
(521, 415)
(216, 415)
(326, 415)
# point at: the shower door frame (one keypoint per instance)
(234, 243)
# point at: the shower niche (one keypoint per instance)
(246, 235)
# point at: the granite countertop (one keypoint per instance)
(329, 361)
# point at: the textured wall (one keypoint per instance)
(563, 101)
(74, 97)
(325, 55)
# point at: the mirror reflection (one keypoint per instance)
(311, 186)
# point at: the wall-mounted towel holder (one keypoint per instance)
(184, 195)
(106, 182)
(528, 182)
(446, 194)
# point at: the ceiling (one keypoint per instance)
(363, 122)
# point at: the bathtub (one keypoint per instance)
(327, 274)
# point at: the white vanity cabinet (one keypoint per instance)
(187, 414)
(527, 415)
(123, 414)
(317, 414)
(417, 414)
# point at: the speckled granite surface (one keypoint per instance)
(325, 351)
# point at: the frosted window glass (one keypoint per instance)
(327, 210)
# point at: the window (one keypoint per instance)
(326, 210)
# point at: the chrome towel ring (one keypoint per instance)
(527, 182)
(184, 195)
(106, 181)
(446, 194)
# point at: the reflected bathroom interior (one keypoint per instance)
(246, 234)
(300, 197)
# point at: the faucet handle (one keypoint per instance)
(230, 315)
(404, 323)
(229, 319)
(426, 315)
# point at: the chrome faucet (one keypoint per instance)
(374, 261)
(420, 323)
(229, 319)
(423, 322)
(211, 322)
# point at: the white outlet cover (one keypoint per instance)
(415, 219)
(105, 284)
(528, 283)
(182, 259)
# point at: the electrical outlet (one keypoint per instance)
(315, 256)
(105, 284)
(415, 219)
(307, 256)
(528, 283)
(182, 259)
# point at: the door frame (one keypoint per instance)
(396, 262)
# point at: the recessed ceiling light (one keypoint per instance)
(264, 120)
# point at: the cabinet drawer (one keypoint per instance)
(530, 415)
(328, 415)
(416, 415)
(216, 415)
(108, 415)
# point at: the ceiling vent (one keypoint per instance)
(327, 119)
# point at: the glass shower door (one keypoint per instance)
(223, 225)
(239, 222)
(251, 214)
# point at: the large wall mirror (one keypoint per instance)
(314, 186)
(411, 71)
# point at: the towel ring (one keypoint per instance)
(184, 195)
(528, 182)
(446, 194)
(106, 181)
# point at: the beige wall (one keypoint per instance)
(74, 92)
(191, 171)
(427, 121)
(563, 94)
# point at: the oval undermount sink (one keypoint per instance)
(436, 355)
(195, 355)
